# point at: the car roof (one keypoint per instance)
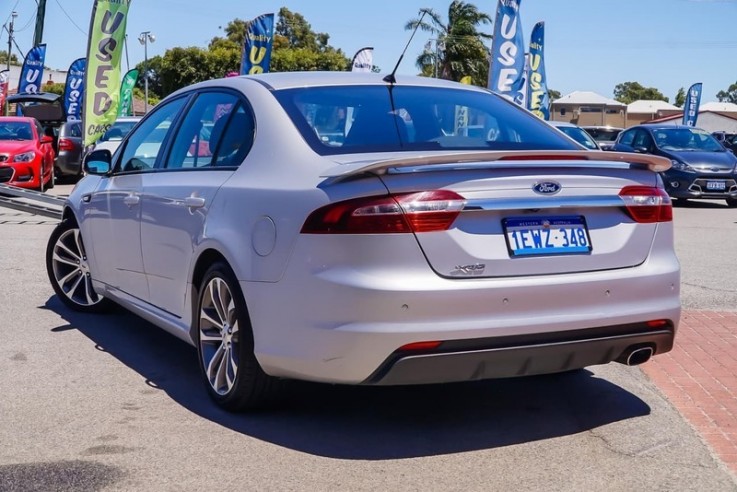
(290, 80)
(27, 119)
(563, 123)
(124, 119)
(602, 127)
(660, 126)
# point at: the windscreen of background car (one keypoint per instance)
(686, 139)
(580, 136)
(118, 131)
(360, 119)
(16, 130)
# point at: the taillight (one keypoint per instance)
(647, 204)
(424, 211)
(66, 144)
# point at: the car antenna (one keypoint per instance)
(390, 78)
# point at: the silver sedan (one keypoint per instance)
(347, 228)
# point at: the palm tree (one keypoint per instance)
(460, 48)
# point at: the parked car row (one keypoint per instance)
(701, 166)
(56, 145)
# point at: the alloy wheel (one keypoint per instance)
(219, 336)
(71, 271)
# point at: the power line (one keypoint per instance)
(70, 18)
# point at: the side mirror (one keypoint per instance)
(98, 162)
(641, 149)
(46, 139)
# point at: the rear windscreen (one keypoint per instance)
(358, 119)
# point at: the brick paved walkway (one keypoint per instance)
(699, 376)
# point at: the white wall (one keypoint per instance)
(711, 122)
(56, 76)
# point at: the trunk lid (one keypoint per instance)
(530, 215)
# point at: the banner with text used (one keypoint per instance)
(32, 73)
(506, 75)
(538, 100)
(102, 80)
(691, 107)
(126, 93)
(256, 55)
(363, 60)
(74, 90)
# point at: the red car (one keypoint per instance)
(26, 154)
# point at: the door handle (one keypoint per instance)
(132, 200)
(192, 202)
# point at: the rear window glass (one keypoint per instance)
(358, 119)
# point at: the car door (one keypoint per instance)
(112, 213)
(214, 136)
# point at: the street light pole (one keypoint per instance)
(144, 38)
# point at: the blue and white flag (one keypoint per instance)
(32, 74)
(506, 73)
(363, 60)
(256, 54)
(74, 90)
(538, 100)
(691, 108)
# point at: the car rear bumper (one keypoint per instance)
(333, 322)
(68, 166)
(512, 356)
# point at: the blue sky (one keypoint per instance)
(589, 44)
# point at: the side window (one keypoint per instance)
(234, 137)
(627, 138)
(642, 140)
(201, 132)
(144, 145)
(75, 130)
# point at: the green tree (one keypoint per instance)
(680, 97)
(730, 95)
(4, 59)
(628, 92)
(553, 94)
(55, 88)
(459, 44)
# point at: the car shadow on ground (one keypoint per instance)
(370, 423)
(700, 203)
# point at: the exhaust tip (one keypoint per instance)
(639, 356)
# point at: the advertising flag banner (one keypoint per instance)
(256, 54)
(74, 90)
(363, 60)
(538, 100)
(506, 75)
(691, 108)
(102, 79)
(32, 73)
(4, 81)
(126, 93)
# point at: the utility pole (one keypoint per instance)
(10, 35)
(38, 34)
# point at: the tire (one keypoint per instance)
(41, 184)
(732, 202)
(232, 375)
(52, 180)
(68, 271)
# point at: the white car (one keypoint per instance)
(111, 139)
(409, 251)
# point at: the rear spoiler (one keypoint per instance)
(487, 159)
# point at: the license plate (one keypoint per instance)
(716, 185)
(546, 235)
